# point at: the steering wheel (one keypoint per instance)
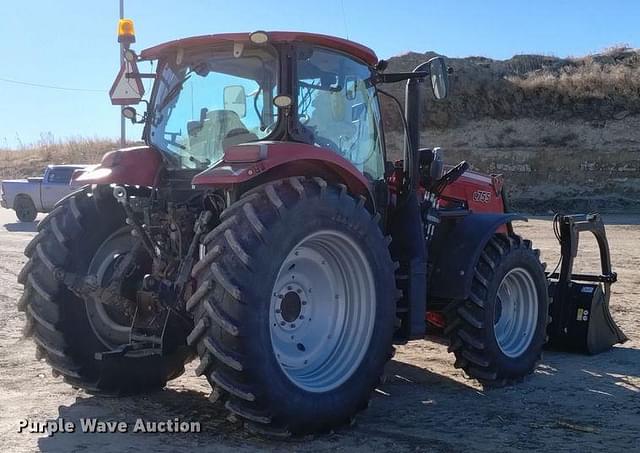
(327, 143)
(174, 139)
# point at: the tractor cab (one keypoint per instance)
(213, 93)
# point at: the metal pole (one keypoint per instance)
(123, 126)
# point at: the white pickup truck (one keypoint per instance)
(39, 194)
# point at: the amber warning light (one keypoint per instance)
(126, 31)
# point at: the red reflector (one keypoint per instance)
(435, 318)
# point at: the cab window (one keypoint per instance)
(338, 109)
(213, 101)
(60, 175)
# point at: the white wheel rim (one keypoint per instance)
(110, 332)
(516, 312)
(322, 311)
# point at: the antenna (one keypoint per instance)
(344, 19)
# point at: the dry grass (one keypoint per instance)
(603, 76)
(30, 160)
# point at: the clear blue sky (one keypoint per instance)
(72, 43)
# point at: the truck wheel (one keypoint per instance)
(25, 209)
(295, 308)
(497, 334)
(82, 337)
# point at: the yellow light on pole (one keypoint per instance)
(126, 31)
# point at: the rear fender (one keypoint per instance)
(138, 166)
(458, 251)
(253, 164)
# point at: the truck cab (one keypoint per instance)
(38, 194)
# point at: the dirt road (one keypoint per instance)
(572, 402)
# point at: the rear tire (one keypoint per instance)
(497, 334)
(272, 243)
(59, 321)
(25, 208)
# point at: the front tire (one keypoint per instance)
(295, 307)
(497, 334)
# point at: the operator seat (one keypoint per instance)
(208, 141)
(331, 117)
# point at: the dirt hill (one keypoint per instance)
(565, 132)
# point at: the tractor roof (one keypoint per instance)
(343, 45)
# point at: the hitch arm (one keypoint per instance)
(120, 194)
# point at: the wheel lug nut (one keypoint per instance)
(293, 325)
(278, 310)
(301, 317)
(299, 291)
(304, 302)
(282, 323)
(289, 288)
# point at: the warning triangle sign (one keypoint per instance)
(127, 88)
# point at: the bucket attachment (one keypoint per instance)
(580, 316)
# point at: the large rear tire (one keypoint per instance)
(73, 333)
(497, 334)
(295, 308)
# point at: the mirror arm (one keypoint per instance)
(140, 75)
(393, 77)
(413, 113)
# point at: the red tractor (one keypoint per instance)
(262, 229)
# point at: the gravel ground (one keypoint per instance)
(572, 402)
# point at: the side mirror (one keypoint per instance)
(127, 88)
(130, 114)
(439, 76)
(235, 99)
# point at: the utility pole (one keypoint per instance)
(123, 125)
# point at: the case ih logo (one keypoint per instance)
(481, 196)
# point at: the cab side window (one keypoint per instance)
(338, 108)
(60, 175)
